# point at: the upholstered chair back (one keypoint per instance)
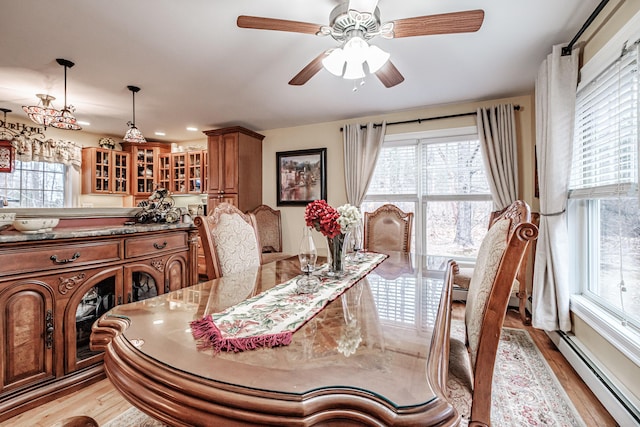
(229, 240)
(269, 226)
(498, 262)
(387, 229)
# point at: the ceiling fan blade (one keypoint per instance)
(309, 71)
(389, 75)
(445, 23)
(259, 23)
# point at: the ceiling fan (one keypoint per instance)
(354, 23)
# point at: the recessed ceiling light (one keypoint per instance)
(83, 123)
(192, 129)
(160, 133)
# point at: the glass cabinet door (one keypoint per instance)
(143, 286)
(95, 301)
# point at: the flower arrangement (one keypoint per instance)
(330, 221)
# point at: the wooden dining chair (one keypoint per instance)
(474, 342)
(229, 241)
(386, 229)
(269, 227)
(462, 275)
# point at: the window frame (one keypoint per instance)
(420, 199)
(66, 182)
(602, 321)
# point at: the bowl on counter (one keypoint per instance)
(35, 225)
(6, 219)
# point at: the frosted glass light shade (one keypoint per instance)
(354, 71)
(376, 58)
(134, 135)
(334, 62)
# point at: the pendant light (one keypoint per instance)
(133, 133)
(43, 113)
(66, 119)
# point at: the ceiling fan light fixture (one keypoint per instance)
(133, 134)
(43, 113)
(334, 62)
(354, 71)
(66, 119)
(376, 58)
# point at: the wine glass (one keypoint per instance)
(307, 255)
(356, 240)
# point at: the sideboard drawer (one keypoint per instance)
(47, 257)
(140, 246)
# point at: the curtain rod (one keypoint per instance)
(567, 49)
(450, 116)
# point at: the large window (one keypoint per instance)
(441, 180)
(34, 185)
(604, 214)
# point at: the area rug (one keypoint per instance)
(526, 392)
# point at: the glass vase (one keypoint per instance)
(336, 251)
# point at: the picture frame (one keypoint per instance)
(301, 176)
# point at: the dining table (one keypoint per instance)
(376, 355)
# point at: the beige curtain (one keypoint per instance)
(361, 149)
(30, 149)
(555, 115)
(497, 131)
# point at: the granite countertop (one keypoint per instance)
(11, 236)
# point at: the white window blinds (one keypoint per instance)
(605, 151)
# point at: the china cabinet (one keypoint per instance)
(53, 290)
(144, 173)
(235, 167)
(105, 171)
(183, 172)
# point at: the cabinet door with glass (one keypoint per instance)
(92, 293)
(179, 170)
(105, 171)
(145, 169)
(164, 170)
(27, 322)
(197, 171)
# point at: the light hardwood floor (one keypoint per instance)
(102, 402)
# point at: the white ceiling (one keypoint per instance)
(197, 68)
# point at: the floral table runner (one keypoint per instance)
(269, 319)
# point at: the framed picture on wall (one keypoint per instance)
(302, 176)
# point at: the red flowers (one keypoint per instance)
(323, 218)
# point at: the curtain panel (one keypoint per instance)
(497, 132)
(555, 91)
(361, 150)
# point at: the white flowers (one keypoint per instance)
(349, 216)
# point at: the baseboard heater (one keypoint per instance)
(610, 395)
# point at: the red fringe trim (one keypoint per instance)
(209, 336)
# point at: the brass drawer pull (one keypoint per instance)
(55, 259)
(162, 246)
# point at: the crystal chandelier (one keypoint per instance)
(133, 133)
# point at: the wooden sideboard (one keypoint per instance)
(54, 286)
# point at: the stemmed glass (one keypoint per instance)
(356, 241)
(307, 255)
